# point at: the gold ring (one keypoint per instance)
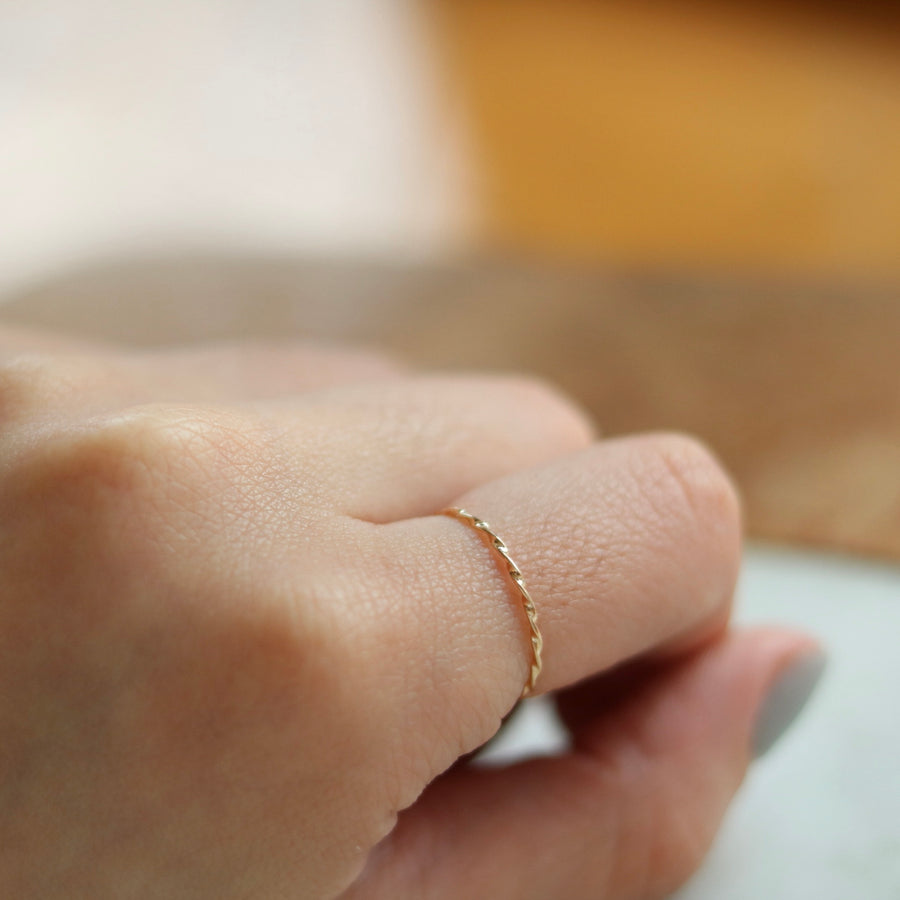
(537, 640)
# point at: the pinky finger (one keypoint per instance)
(629, 813)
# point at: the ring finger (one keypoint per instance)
(626, 546)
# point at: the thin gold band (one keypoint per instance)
(537, 641)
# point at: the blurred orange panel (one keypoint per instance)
(729, 135)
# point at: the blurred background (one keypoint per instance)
(686, 213)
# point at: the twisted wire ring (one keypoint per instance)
(515, 574)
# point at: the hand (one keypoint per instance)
(239, 651)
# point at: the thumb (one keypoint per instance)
(631, 810)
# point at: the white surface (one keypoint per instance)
(819, 817)
(263, 125)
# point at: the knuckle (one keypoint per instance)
(132, 464)
(694, 480)
(115, 455)
(101, 514)
(696, 513)
(84, 483)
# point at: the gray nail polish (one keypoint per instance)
(786, 699)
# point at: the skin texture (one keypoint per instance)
(240, 653)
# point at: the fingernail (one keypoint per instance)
(786, 699)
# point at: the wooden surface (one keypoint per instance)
(750, 135)
(797, 388)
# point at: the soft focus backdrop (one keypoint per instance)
(687, 213)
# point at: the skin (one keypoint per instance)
(241, 655)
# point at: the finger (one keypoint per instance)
(222, 371)
(629, 545)
(629, 812)
(259, 370)
(409, 447)
(47, 375)
(15, 340)
(582, 700)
